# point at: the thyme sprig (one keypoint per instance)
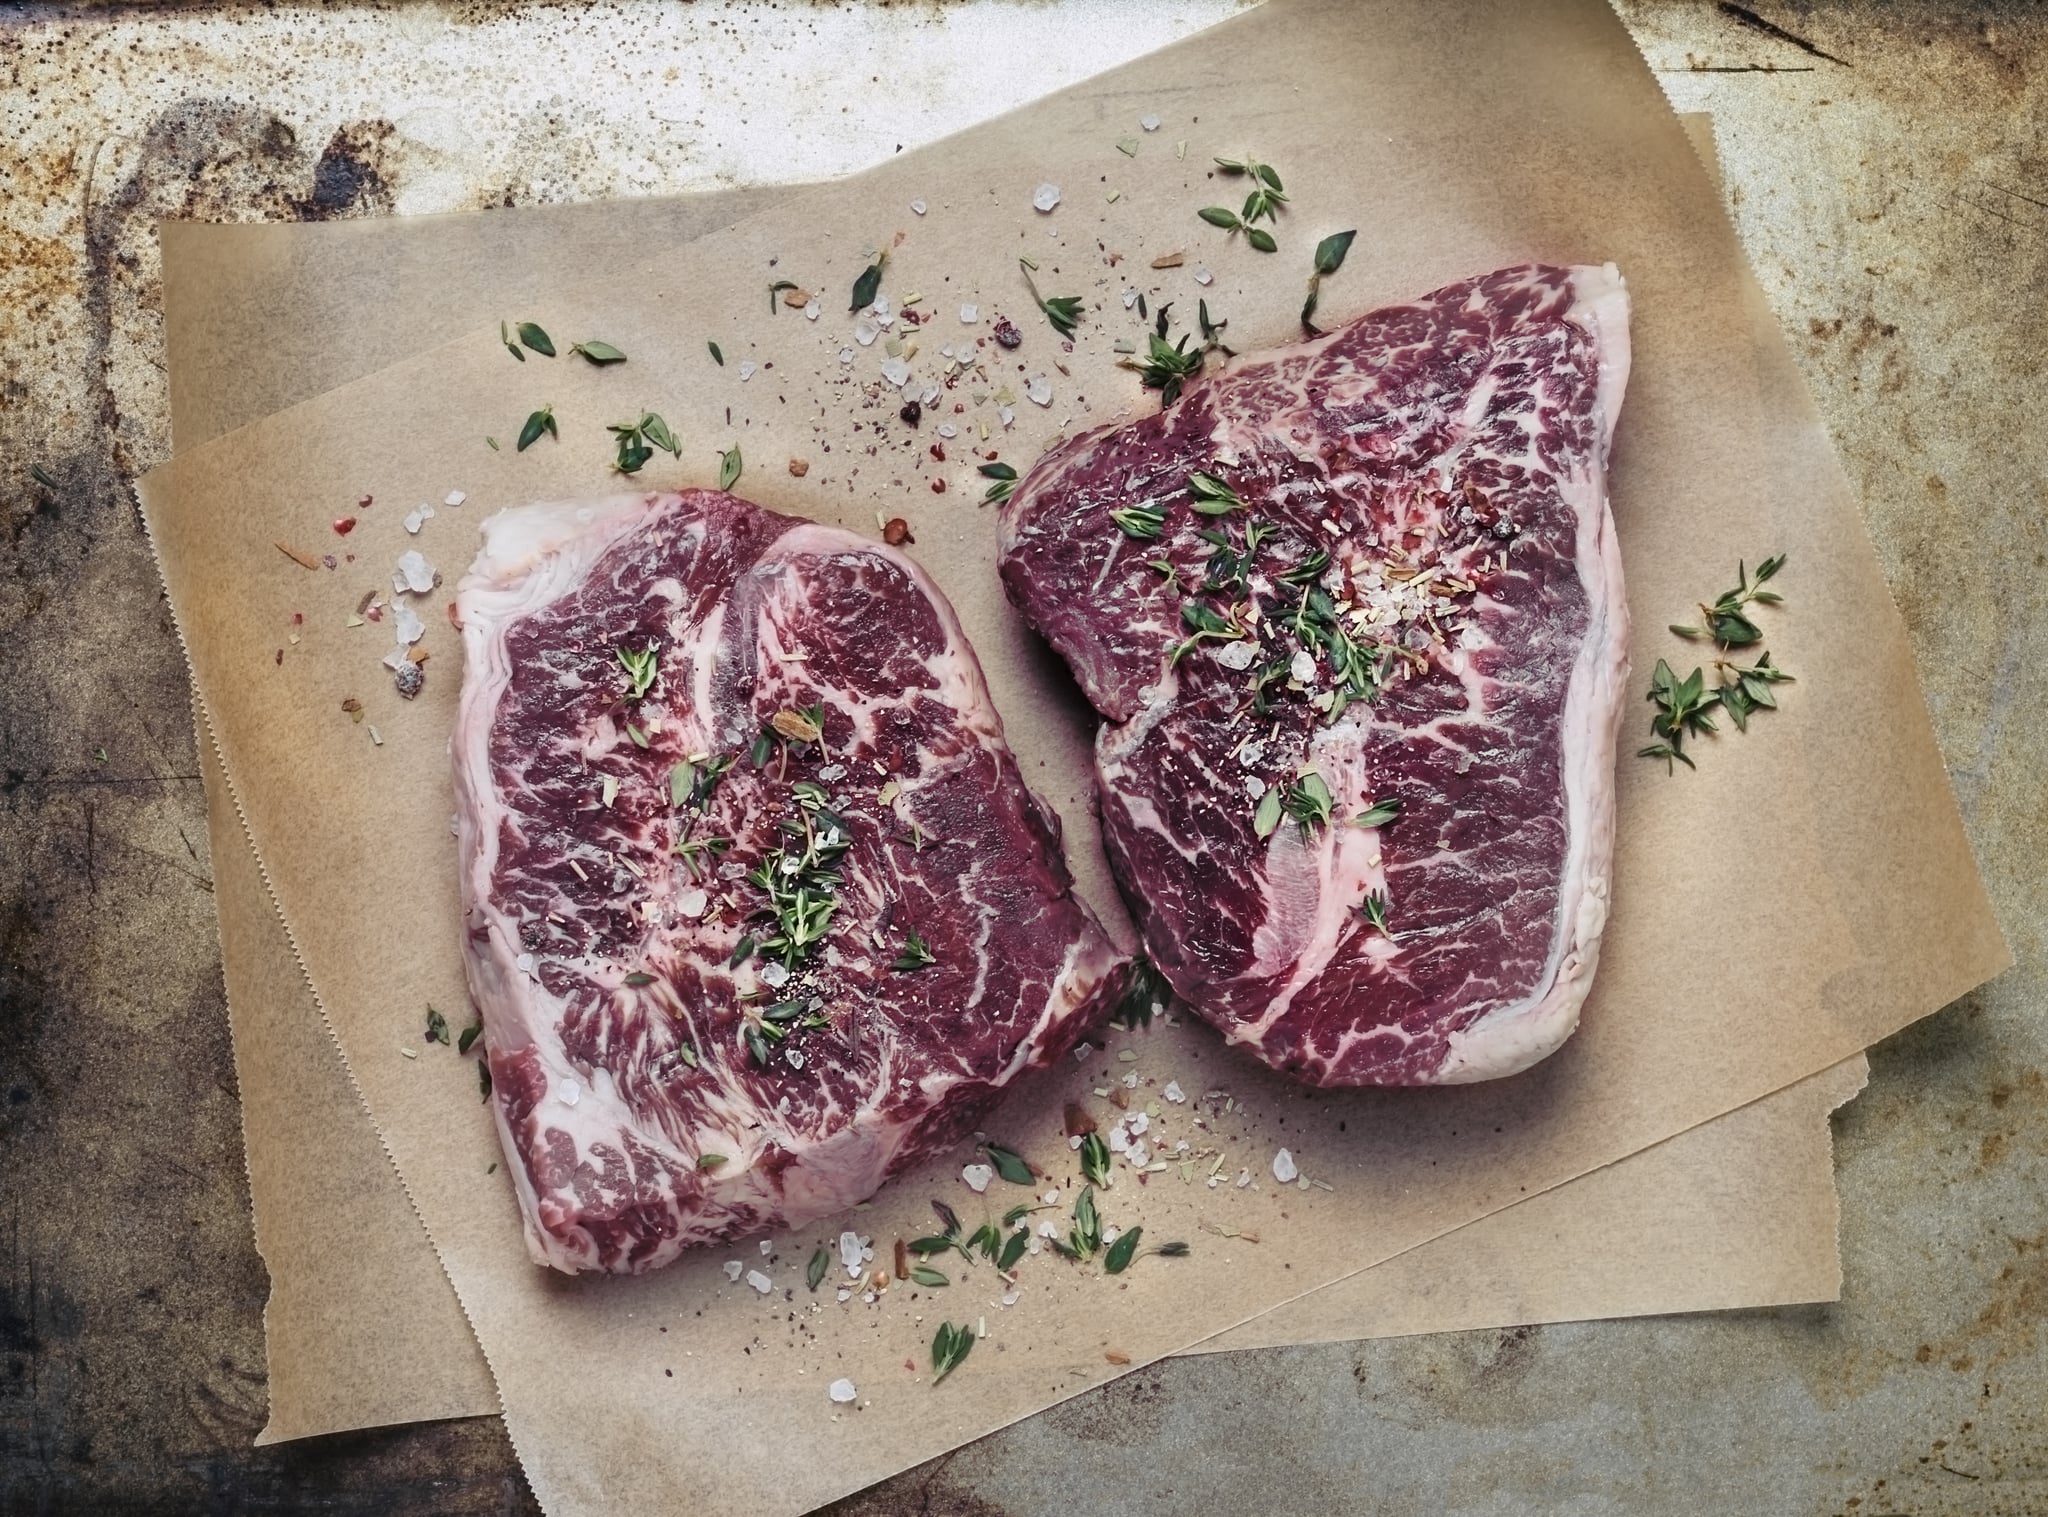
(1005, 478)
(916, 955)
(1063, 311)
(642, 669)
(1723, 620)
(1262, 204)
(1329, 258)
(637, 441)
(950, 1348)
(1167, 366)
(801, 881)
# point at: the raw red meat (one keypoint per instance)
(679, 711)
(1406, 592)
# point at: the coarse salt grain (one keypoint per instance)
(1046, 196)
(841, 1391)
(919, 207)
(1237, 654)
(1203, 276)
(733, 1267)
(570, 1093)
(1038, 390)
(414, 573)
(692, 903)
(453, 498)
(896, 372)
(1302, 668)
(977, 1177)
(775, 975)
(849, 1252)
(747, 371)
(416, 518)
(1284, 1167)
(759, 1281)
(1173, 1092)
(970, 314)
(865, 332)
(1149, 123)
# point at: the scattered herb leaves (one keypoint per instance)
(1724, 620)
(869, 285)
(1094, 1159)
(1013, 1250)
(917, 953)
(540, 421)
(1375, 908)
(1009, 1164)
(437, 1026)
(1005, 481)
(505, 336)
(1144, 989)
(531, 335)
(1262, 204)
(1121, 1252)
(924, 1274)
(1063, 311)
(1212, 497)
(1140, 522)
(1266, 815)
(1172, 1251)
(483, 1078)
(469, 1036)
(729, 466)
(712, 1161)
(950, 1348)
(814, 1272)
(599, 353)
(642, 668)
(1329, 258)
(1378, 814)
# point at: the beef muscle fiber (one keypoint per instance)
(758, 908)
(1352, 615)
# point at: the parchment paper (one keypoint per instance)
(355, 839)
(1738, 1213)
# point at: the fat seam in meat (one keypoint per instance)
(1461, 652)
(656, 1082)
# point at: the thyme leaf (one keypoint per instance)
(642, 669)
(1005, 479)
(950, 1348)
(599, 353)
(1094, 1159)
(917, 953)
(1375, 908)
(869, 285)
(1009, 1164)
(1121, 1252)
(533, 337)
(1378, 814)
(437, 1027)
(924, 1274)
(814, 1272)
(540, 421)
(717, 357)
(729, 466)
(1063, 311)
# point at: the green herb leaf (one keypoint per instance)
(437, 1027)
(1009, 1164)
(950, 1348)
(638, 978)
(505, 336)
(1063, 311)
(924, 1274)
(1212, 497)
(716, 356)
(1172, 1251)
(932, 1245)
(1222, 216)
(776, 289)
(1121, 1252)
(711, 1161)
(599, 353)
(536, 339)
(1144, 987)
(1331, 250)
(869, 285)
(1013, 1250)
(469, 1036)
(1375, 908)
(1140, 522)
(917, 954)
(997, 471)
(1266, 174)
(1266, 817)
(1094, 1159)
(729, 466)
(1261, 239)
(814, 1272)
(1087, 1234)
(656, 431)
(540, 421)
(743, 951)
(483, 1079)
(642, 669)
(1378, 815)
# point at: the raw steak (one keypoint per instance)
(1376, 569)
(758, 908)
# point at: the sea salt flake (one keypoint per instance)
(850, 1252)
(1038, 390)
(747, 370)
(1203, 276)
(1081, 1052)
(1131, 1080)
(1139, 1123)
(1284, 1168)
(570, 1093)
(1007, 416)
(407, 627)
(842, 1391)
(1149, 122)
(759, 1281)
(813, 311)
(1302, 669)
(1012, 1297)
(947, 429)
(970, 314)
(1173, 1092)
(733, 1268)
(416, 518)
(414, 573)
(453, 498)
(896, 372)
(1139, 1156)
(1045, 197)
(865, 331)
(1236, 654)
(920, 208)
(693, 902)
(1244, 1178)
(977, 1177)
(1119, 1140)
(1130, 299)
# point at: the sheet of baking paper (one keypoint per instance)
(354, 835)
(361, 1328)
(1738, 1212)
(1742, 1207)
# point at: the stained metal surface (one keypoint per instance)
(1894, 195)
